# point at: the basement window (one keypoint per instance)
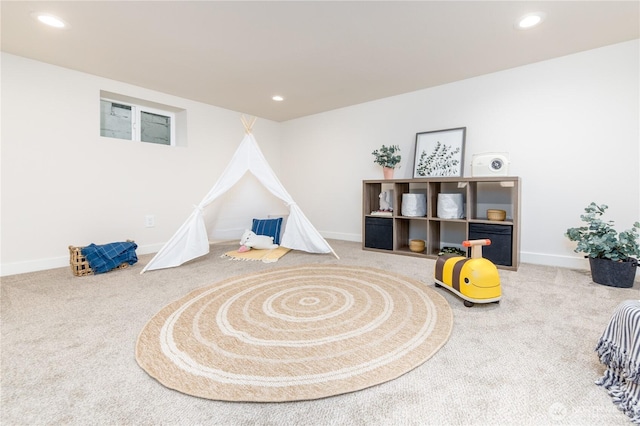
(125, 117)
(136, 123)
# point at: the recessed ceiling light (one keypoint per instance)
(48, 19)
(530, 20)
(278, 98)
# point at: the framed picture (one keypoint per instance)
(439, 153)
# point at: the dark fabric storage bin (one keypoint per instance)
(378, 233)
(499, 252)
(614, 274)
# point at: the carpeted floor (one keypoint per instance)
(296, 333)
(68, 351)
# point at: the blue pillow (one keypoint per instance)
(269, 227)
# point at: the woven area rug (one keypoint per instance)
(295, 333)
(266, 256)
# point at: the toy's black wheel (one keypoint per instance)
(437, 285)
(468, 304)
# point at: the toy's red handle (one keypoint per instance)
(476, 246)
(471, 243)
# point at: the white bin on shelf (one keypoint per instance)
(414, 205)
(450, 206)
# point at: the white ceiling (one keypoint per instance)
(319, 55)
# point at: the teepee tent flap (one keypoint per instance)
(191, 240)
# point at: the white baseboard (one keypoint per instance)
(357, 238)
(15, 268)
(573, 262)
(33, 266)
(227, 234)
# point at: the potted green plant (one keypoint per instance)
(388, 157)
(613, 256)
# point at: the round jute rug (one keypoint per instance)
(295, 333)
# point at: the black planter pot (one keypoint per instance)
(614, 274)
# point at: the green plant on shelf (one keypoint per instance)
(387, 156)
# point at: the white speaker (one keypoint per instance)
(490, 164)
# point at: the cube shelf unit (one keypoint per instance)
(392, 233)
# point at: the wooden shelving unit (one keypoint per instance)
(392, 233)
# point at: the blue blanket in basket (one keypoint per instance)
(105, 257)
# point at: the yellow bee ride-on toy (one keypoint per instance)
(475, 279)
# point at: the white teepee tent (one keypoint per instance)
(191, 239)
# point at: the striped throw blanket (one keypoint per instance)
(619, 350)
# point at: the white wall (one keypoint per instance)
(571, 126)
(63, 184)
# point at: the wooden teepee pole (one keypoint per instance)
(248, 124)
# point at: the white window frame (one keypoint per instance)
(136, 127)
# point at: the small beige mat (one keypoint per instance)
(267, 256)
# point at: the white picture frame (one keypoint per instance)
(440, 153)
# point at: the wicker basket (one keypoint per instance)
(494, 214)
(416, 246)
(79, 264)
